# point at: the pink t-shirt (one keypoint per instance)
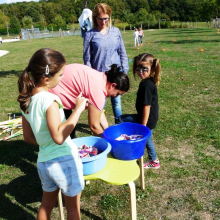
(80, 78)
(140, 33)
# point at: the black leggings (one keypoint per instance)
(67, 114)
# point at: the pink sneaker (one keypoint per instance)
(154, 164)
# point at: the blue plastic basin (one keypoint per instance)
(127, 149)
(95, 163)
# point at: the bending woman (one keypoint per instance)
(95, 86)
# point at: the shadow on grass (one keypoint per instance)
(91, 216)
(185, 31)
(13, 72)
(187, 41)
(17, 163)
(23, 190)
(83, 128)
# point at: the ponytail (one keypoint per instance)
(156, 71)
(25, 88)
(117, 76)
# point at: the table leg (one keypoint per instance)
(60, 205)
(133, 201)
(141, 162)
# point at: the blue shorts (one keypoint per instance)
(64, 172)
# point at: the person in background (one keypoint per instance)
(85, 21)
(0, 40)
(141, 35)
(136, 35)
(44, 124)
(104, 46)
(148, 70)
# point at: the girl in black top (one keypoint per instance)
(148, 70)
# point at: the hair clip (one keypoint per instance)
(47, 71)
(121, 69)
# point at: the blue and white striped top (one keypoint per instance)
(101, 51)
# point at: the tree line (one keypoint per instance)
(64, 13)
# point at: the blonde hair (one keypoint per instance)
(101, 8)
(153, 62)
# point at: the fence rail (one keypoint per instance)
(48, 34)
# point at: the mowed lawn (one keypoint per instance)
(187, 136)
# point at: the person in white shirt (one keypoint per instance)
(136, 35)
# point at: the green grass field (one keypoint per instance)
(187, 137)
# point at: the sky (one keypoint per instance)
(13, 1)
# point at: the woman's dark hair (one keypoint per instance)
(117, 76)
(45, 62)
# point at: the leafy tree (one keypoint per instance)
(210, 9)
(42, 21)
(70, 10)
(33, 13)
(124, 17)
(151, 20)
(154, 4)
(157, 15)
(143, 4)
(73, 19)
(78, 7)
(48, 10)
(132, 5)
(1, 19)
(19, 10)
(131, 18)
(14, 25)
(141, 15)
(58, 20)
(27, 22)
(4, 21)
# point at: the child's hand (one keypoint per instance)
(81, 102)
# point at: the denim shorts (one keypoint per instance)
(64, 172)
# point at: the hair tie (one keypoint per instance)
(47, 71)
(121, 69)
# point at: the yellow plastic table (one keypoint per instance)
(116, 172)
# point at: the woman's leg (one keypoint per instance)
(48, 202)
(67, 114)
(116, 106)
(72, 205)
(127, 118)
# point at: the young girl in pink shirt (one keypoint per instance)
(141, 35)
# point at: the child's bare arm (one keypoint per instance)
(60, 131)
(95, 120)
